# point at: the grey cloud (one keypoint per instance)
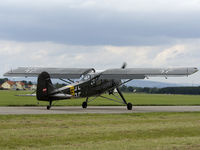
(90, 26)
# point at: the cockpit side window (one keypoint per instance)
(85, 77)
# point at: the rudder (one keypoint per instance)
(44, 86)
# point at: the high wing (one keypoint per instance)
(66, 73)
(76, 73)
(141, 73)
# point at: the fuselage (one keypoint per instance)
(89, 87)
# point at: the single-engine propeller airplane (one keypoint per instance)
(91, 83)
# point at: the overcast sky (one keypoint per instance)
(100, 34)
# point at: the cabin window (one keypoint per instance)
(86, 77)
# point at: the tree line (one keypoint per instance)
(167, 90)
(124, 88)
(3, 80)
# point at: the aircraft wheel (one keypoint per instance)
(84, 104)
(48, 107)
(129, 106)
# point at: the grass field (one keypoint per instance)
(150, 131)
(8, 98)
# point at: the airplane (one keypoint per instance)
(87, 82)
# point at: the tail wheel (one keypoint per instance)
(48, 107)
(84, 104)
(129, 106)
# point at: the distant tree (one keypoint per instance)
(146, 90)
(25, 82)
(123, 88)
(30, 83)
(130, 89)
(153, 90)
(3, 80)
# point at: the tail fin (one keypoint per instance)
(44, 86)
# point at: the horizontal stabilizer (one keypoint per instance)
(61, 95)
(28, 95)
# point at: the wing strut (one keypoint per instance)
(69, 82)
(126, 82)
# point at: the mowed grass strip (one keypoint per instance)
(8, 98)
(178, 131)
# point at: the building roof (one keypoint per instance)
(10, 82)
(30, 86)
(21, 83)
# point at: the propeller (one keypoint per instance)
(124, 65)
(112, 90)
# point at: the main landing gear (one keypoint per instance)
(129, 105)
(122, 100)
(84, 104)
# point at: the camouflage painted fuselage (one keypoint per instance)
(89, 88)
(83, 88)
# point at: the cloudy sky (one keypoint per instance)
(101, 34)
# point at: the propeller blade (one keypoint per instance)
(124, 65)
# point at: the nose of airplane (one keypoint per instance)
(196, 70)
(192, 70)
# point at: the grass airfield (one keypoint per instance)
(161, 131)
(138, 131)
(8, 98)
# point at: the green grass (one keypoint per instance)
(152, 131)
(8, 98)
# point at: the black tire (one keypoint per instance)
(48, 107)
(84, 104)
(129, 106)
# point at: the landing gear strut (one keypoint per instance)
(49, 106)
(84, 104)
(129, 105)
(119, 100)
